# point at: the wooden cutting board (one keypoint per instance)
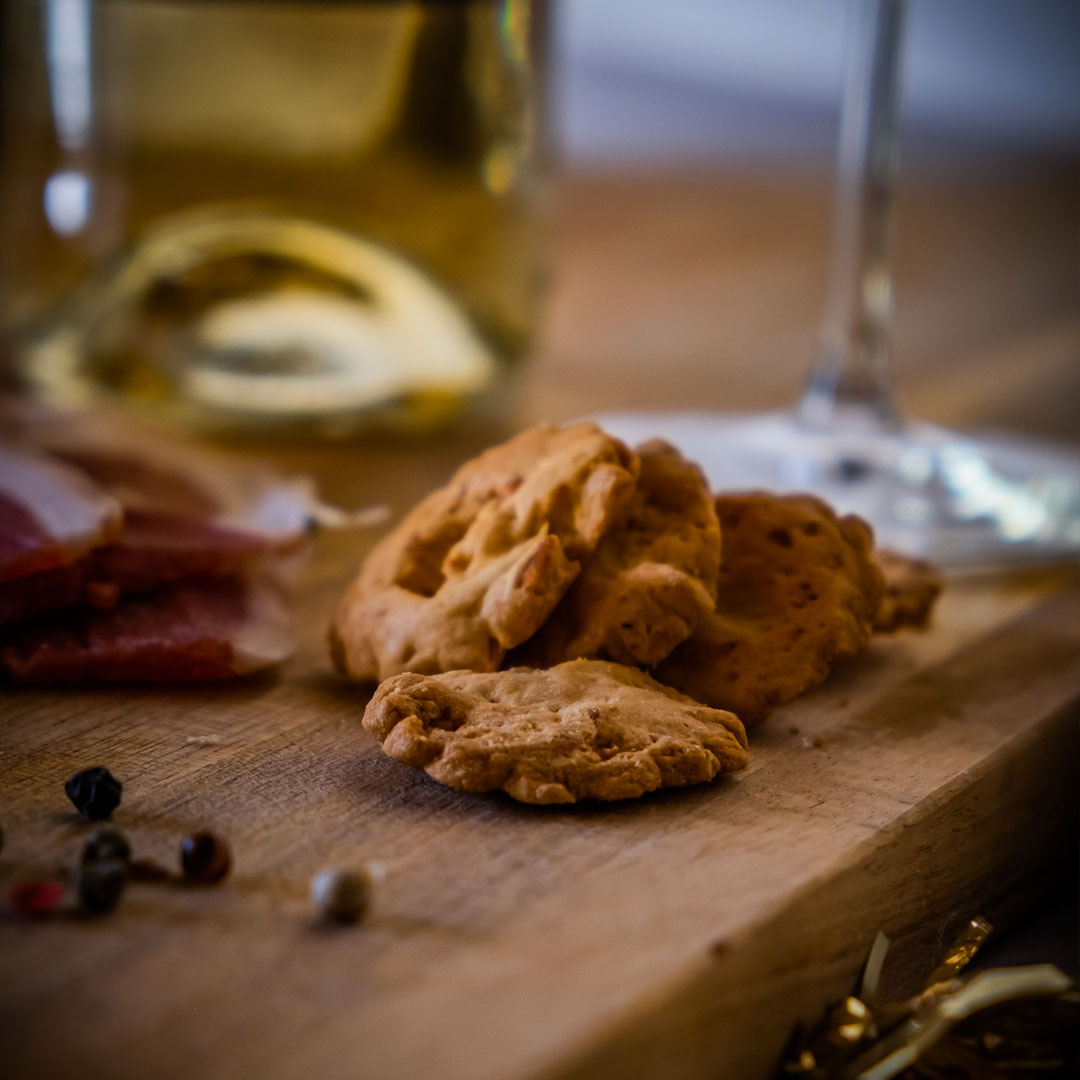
(677, 936)
(674, 937)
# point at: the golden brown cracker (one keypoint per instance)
(652, 578)
(798, 591)
(581, 730)
(478, 566)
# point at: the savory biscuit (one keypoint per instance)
(798, 590)
(652, 578)
(912, 587)
(477, 566)
(582, 730)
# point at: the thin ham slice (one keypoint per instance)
(50, 514)
(188, 513)
(189, 632)
(146, 468)
(64, 540)
(127, 555)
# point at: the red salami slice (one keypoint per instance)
(190, 632)
(46, 590)
(159, 546)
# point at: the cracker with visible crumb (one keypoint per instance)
(585, 729)
(798, 591)
(477, 566)
(652, 578)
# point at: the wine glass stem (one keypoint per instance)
(850, 381)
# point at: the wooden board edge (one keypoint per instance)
(994, 839)
(731, 1017)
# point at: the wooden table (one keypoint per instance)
(678, 936)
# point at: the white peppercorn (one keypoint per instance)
(342, 895)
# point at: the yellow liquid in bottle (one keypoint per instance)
(313, 215)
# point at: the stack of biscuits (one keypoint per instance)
(569, 618)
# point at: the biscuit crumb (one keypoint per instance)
(912, 587)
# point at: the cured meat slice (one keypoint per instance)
(188, 512)
(46, 590)
(159, 546)
(147, 469)
(130, 556)
(190, 632)
(234, 495)
(64, 541)
(50, 514)
(218, 519)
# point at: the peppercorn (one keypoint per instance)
(106, 844)
(35, 898)
(342, 895)
(205, 858)
(101, 884)
(95, 792)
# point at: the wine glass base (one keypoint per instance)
(968, 503)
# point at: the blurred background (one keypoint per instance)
(141, 140)
(705, 135)
(758, 81)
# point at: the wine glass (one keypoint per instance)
(965, 502)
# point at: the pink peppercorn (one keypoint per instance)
(36, 898)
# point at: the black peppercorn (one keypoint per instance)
(205, 858)
(106, 844)
(101, 884)
(95, 792)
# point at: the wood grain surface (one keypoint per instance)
(678, 936)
